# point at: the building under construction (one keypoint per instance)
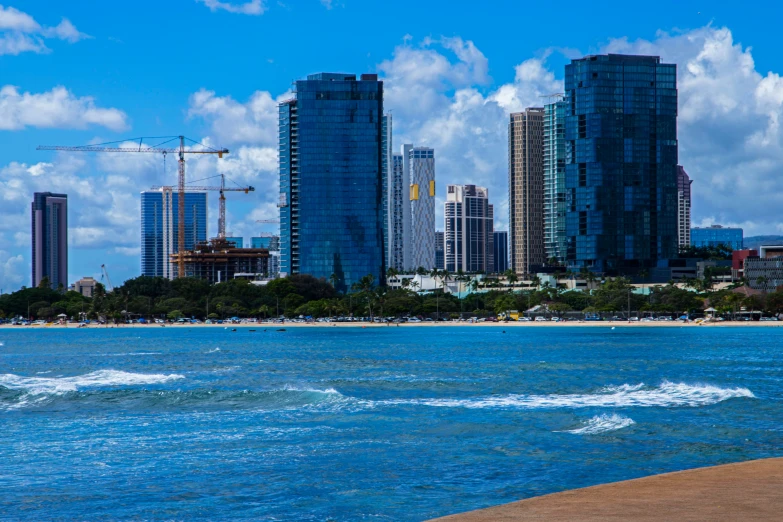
(219, 260)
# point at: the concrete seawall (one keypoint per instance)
(744, 491)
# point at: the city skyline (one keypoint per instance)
(235, 113)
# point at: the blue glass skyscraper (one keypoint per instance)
(159, 225)
(717, 235)
(620, 162)
(331, 186)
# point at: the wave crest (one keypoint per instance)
(603, 424)
(668, 394)
(100, 378)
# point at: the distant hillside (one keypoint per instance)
(753, 242)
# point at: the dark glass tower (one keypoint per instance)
(621, 162)
(50, 239)
(331, 179)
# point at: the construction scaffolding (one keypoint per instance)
(218, 260)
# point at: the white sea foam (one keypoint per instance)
(602, 424)
(214, 350)
(57, 385)
(668, 394)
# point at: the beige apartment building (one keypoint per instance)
(526, 189)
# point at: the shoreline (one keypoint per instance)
(747, 490)
(449, 324)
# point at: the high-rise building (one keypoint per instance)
(468, 236)
(500, 243)
(621, 162)
(85, 286)
(160, 225)
(554, 181)
(440, 259)
(717, 235)
(683, 207)
(331, 186)
(421, 162)
(386, 172)
(399, 214)
(50, 239)
(526, 188)
(271, 243)
(238, 241)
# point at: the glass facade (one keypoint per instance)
(159, 225)
(421, 193)
(554, 181)
(331, 202)
(717, 235)
(620, 162)
(271, 243)
(50, 239)
(238, 241)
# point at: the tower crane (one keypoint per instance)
(222, 188)
(160, 148)
(105, 273)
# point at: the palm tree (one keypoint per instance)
(333, 280)
(365, 287)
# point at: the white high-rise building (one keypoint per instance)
(469, 241)
(421, 165)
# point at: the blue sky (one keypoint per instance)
(73, 73)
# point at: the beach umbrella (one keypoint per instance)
(62, 315)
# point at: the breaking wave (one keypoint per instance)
(100, 378)
(668, 394)
(602, 424)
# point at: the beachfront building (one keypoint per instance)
(500, 257)
(717, 235)
(554, 181)
(469, 227)
(85, 286)
(683, 207)
(49, 222)
(526, 188)
(331, 186)
(421, 165)
(621, 163)
(387, 160)
(160, 225)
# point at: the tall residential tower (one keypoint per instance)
(421, 162)
(159, 225)
(469, 229)
(526, 189)
(683, 207)
(50, 239)
(621, 163)
(331, 152)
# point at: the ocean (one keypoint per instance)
(349, 424)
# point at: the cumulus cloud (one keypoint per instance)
(58, 108)
(254, 7)
(729, 125)
(20, 32)
(729, 117)
(252, 122)
(11, 271)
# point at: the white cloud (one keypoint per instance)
(254, 7)
(232, 122)
(58, 108)
(19, 32)
(327, 3)
(729, 118)
(11, 271)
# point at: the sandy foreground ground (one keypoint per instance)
(454, 324)
(738, 492)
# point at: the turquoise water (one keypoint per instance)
(367, 424)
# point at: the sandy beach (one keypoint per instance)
(455, 324)
(743, 491)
